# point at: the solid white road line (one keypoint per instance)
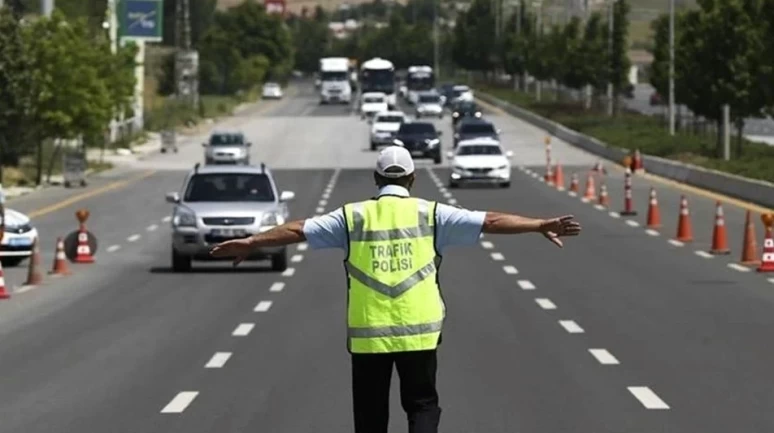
(243, 329)
(277, 287)
(525, 285)
(218, 360)
(545, 304)
(262, 306)
(288, 272)
(604, 357)
(133, 238)
(676, 243)
(167, 219)
(614, 215)
(571, 327)
(487, 245)
(497, 256)
(180, 402)
(738, 267)
(302, 246)
(510, 270)
(648, 398)
(152, 227)
(704, 254)
(113, 248)
(652, 232)
(296, 258)
(632, 223)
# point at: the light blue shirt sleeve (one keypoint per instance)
(457, 226)
(327, 231)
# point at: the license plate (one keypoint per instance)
(417, 153)
(19, 242)
(228, 233)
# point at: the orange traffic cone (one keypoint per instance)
(574, 183)
(3, 293)
(684, 231)
(33, 274)
(559, 177)
(654, 214)
(749, 245)
(60, 260)
(549, 176)
(637, 163)
(767, 260)
(590, 190)
(83, 254)
(719, 235)
(603, 198)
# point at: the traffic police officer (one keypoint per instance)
(395, 309)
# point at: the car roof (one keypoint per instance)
(380, 94)
(226, 132)
(461, 87)
(479, 141)
(415, 122)
(390, 113)
(236, 169)
(474, 120)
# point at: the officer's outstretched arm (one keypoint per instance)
(289, 233)
(552, 229)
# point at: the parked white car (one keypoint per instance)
(372, 103)
(272, 91)
(480, 160)
(18, 238)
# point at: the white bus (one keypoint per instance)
(334, 80)
(419, 79)
(378, 75)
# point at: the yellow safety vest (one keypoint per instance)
(394, 301)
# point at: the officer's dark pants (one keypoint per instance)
(371, 374)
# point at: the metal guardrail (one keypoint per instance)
(755, 191)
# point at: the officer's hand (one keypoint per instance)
(555, 228)
(237, 248)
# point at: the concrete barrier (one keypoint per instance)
(756, 191)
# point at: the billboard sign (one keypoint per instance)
(141, 20)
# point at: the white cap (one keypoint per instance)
(394, 162)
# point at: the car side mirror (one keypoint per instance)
(173, 197)
(440, 133)
(450, 155)
(287, 196)
(509, 154)
(204, 144)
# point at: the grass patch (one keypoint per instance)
(165, 112)
(26, 172)
(636, 131)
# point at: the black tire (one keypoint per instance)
(373, 146)
(180, 263)
(437, 159)
(279, 262)
(10, 262)
(454, 185)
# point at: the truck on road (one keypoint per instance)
(334, 80)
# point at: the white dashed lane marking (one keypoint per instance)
(133, 238)
(510, 270)
(545, 304)
(632, 223)
(604, 357)
(526, 285)
(652, 232)
(323, 202)
(218, 360)
(648, 398)
(452, 201)
(676, 243)
(277, 287)
(498, 257)
(320, 210)
(771, 280)
(487, 245)
(288, 272)
(243, 329)
(571, 327)
(167, 219)
(614, 215)
(113, 248)
(704, 254)
(302, 247)
(152, 227)
(180, 402)
(297, 258)
(738, 267)
(262, 306)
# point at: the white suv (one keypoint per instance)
(385, 126)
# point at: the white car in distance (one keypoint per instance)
(372, 103)
(429, 104)
(384, 127)
(480, 161)
(18, 238)
(462, 93)
(272, 91)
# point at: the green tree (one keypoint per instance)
(619, 62)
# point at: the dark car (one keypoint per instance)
(472, 127)
(421, 139)
(463, 109)
(447, 91)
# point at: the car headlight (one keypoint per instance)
(272, 219)
(478, 114)
(184, 218)
(455, 114)
(432, 142)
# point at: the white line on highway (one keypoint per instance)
(585, 200)
(526, 285)
(180, 402)
(218, 360)
(604, 357)
(545, 304)
(263, 306)
(452, 201)
(320, 210)
(113, 248)
(166, 219)
(632, 223)
(277, 287)
(704, 254)
(571, 327)
(614, 215)
(510, 270)
(447, 195)
(771, 280)
(572, 193)
(648, 398)
(323, 202)
(152, 227)
(497, 256)
(738, 267)
(133, 238)
(652, 232)
(243, 329)
(326, 195)
(599, 207)
(676, 243)
(302, 246)
(296, 258)
(288, 272)
(487, 245)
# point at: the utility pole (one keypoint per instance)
(46, 7)
(538, 34)
(611, 26)
(186, 59)
(671, 67)
(436, 42)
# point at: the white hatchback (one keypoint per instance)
(384, 127)
(372, 103)
(480, 160)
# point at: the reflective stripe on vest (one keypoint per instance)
(394, 302)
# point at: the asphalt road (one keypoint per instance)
(620, 331)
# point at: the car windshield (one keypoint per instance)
(430, 99)
(229, 187)
(334, 76)
(479, 149)
(477, 128)
(467, 108)
(373, 99)
(417, 128)
(227, 140)
(389, 119)
(271, 86)
(457, 91)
